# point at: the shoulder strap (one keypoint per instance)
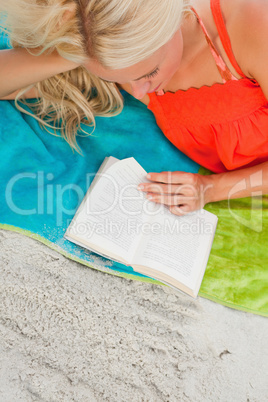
(223, 34)
(221, 65)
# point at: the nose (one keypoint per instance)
(140, 89)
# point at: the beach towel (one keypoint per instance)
(43, 182)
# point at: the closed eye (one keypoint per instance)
(152, 74)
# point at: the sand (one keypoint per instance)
(70, 333)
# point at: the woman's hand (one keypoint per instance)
(182, 192)
(186, 192)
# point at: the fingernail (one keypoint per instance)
(140, 187)
(148, 176)
(150, 197)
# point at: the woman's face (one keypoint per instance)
(150, 75)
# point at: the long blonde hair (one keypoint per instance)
(117, 33)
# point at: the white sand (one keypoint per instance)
(70, 333)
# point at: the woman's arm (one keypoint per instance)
(186, 192)
(32, 93)
(19, 69)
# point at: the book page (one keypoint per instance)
(113, 210)
(178, 246)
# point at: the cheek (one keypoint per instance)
(171, 67)
(173, 60)
(175, 53)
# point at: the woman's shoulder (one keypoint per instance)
(246, 21)
(251, 16)
(247, 16)
(247, 26)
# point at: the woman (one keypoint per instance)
(200, 68)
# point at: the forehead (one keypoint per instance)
(132, 73)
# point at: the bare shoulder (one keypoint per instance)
(247, 23)
(249, 16)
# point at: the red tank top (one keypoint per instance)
(222, 127)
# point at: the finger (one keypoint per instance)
(172, 177)
(174, 189)
(169, 199)
(160, 188)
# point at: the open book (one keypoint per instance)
(118, 222)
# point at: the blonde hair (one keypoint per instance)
(117, 33)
